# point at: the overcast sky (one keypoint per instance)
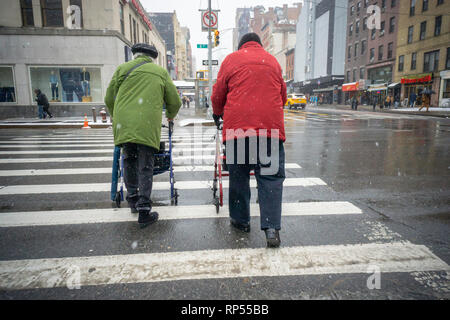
(189, 16)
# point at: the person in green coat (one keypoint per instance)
(135, 98)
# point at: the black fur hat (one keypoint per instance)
(145, 48)
(249, 37)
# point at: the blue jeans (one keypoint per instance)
(270, 190)
(41, 112)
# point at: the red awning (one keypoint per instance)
(353, 86)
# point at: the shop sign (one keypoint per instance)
(353, 86)
(141, 13)
(417, 79)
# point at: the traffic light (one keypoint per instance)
(216, 38)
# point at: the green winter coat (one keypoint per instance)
(136, 104)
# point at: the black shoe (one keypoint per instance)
(240, 226)
(273, 238)
(133, 208)
(147, 218)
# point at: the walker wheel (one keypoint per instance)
(217, 204)
(117, 199)
(174, 199)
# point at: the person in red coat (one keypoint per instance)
(249, 95)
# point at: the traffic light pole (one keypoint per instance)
(209, 111)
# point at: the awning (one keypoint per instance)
(184, 84)
(393, 85)
(324, 89)
(380, 87)
(352, 86)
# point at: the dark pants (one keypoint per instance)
(270, 190)
(46, 112)
(138, 164)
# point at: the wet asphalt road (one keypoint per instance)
(394, 168)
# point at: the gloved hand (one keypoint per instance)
(171, 126)
(217, 119)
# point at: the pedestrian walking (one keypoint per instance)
(387, 102)
(43, 105)
(396, 102)
(374, 102)
(188, 101)
(250, 94)
(184, 101)
(135, 98)
(425, 102)
(354, 103)
(412, 99)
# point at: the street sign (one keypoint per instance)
(209, 20)
(213, 62)
(202, 46)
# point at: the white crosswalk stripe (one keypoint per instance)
(84, 171)
(99, 144)
(106, 187)
(45, 218)
(110, 151)
(195, 159)
(226, 263)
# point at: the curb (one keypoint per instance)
(413, 113)
(52, 126)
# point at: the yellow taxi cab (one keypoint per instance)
(296, 100)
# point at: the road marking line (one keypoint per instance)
(106, 187)
(77, 171)
(101, 144)
(187, 160)
(215, 264)
(77, 138)
(67, 217)
(110, 151)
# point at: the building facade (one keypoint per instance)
(278, 38)
(320, 49)
(177, 53)
(290, 55)
(356, 50)
(370, 53)
(242, 23)
(69, 49)
(423, 49)
(382, 52)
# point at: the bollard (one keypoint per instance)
(103, 115)
(94, 116)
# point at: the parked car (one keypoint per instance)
(296, 101)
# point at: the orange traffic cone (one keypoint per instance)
(86, 124)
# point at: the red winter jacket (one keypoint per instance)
(250, 92)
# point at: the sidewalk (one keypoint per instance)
(190, 116)
(55, 122)
(433, 112)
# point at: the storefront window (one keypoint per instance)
(7, 87)
(446, 93)
(380, 75)
(68, 84)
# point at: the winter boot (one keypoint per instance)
(273, 238)
(147, 218)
